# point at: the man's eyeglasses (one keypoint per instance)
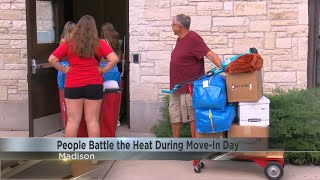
(175, 24)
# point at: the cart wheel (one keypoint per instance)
(273, 171)
(197, 169)
(201, 165)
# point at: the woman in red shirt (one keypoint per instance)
(83, 85)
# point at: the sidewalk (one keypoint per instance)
(175, 169)
(222, 170)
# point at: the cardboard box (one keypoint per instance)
(210, 135)
(244, 155)
(244, 87)
(79, 167)
(254, 113)
(237, 131)
(266, 154)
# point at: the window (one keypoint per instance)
(45, 22)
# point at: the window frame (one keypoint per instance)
(313, 39)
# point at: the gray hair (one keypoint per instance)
(183, 20)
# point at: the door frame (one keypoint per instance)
(313, 36)
(127, 63)
(34, 48)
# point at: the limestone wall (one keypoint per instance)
(13, 51)
(277, 28)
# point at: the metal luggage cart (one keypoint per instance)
(272, 162)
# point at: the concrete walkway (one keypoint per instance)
(222, 170)
(176, 170)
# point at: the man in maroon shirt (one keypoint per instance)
(187, 62)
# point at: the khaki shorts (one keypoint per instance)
(180, 108)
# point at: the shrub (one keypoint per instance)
(295, 123)
(163, 128)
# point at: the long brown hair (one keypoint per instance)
(68, 28)
(85, 37)
(109, 33)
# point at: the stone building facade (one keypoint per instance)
(13, 64)
(13, 51)
(277, 28)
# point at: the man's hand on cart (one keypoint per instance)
(214, 71)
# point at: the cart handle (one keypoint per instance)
(214, 71)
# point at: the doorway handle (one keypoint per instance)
(36, 66)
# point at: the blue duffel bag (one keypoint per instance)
(61, 77)
(213, 121)
(210, 93)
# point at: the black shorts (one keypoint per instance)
(92, 92)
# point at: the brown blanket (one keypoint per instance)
(245, 63)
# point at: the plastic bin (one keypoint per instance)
(109, 114)
(110, 106)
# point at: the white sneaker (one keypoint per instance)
(118, 123)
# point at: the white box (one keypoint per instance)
(254, 113)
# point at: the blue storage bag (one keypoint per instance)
(210, 93)
(213, 121)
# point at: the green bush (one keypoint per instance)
(163, 128)
(295, 122)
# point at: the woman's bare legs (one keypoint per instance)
(92, 116)
(74, 112)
